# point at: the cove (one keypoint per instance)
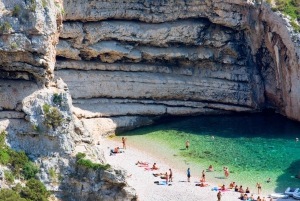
(255, 147)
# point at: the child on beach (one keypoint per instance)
(188, 174)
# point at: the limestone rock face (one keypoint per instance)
(155, 58)
(28, 34)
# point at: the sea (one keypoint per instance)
(254, 147)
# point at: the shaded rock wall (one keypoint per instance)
(126, 58)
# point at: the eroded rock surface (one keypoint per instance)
(177, 58)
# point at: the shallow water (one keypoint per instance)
(254, 147)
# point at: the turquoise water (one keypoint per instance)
(254, 147)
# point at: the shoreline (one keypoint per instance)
(143, 180)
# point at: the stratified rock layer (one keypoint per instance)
(154, 58)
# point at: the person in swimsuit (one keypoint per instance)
(188, 174)
(236, 188)
(154, 167)
(226, 172)
(210, 168)
(219, 195)
(258, 188)
(241, 190)
(258, 199)
(247, 190)
(203, 176)
(167, 177)
(187, 144)
(124, 142)
(170, 176)
(231, 185)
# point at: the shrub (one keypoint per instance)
(53, 118)
(44, 3)
(80, 155)
(2, 140)
(17, 159)
(30, 170)
(4, 157)
(16, 11)
(37, 128)
(46, 108)
(295, 26)
(32, 7)
(52, 173)
(17, 188)
(90, 165)
(57, 99)
(10, 195)
(35, 191)
(14, 46)
(9, 177)
(7, 26)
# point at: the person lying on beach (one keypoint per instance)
(142, 163)
(210, 168)
(115, 151)
(202, 184)
(154, 167)
(157, 174)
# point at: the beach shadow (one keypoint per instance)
(182, 149)
(220, 177)
(287, 178)
(182, 181)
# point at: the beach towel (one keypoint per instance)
(162, 183)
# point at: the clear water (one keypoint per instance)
(254, 147)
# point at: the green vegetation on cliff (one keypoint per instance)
(17, 161)
(88, 163)
(288, 7)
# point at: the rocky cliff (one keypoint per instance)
(155, 58)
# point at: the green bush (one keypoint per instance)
(10, 195)
(18, 188)
(90, 165)
(80, 155)
(4, 157)
(295, 26)
(52, 173)
(9, 177)
(32, 7)
(30, 170)
(57, 99)
(35, 191)
(53, 118)
(16, 11)
(46, 108)
(289, 7)
(7, 26)
(44, 3)
(2, 140)
(37, 128)
(14, 46)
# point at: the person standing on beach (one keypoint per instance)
(124, 142)
(187, 144)
(188, 174)
(219, 195)
(258, 187)
(170, 176)
(167, 177)
(203, 176)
